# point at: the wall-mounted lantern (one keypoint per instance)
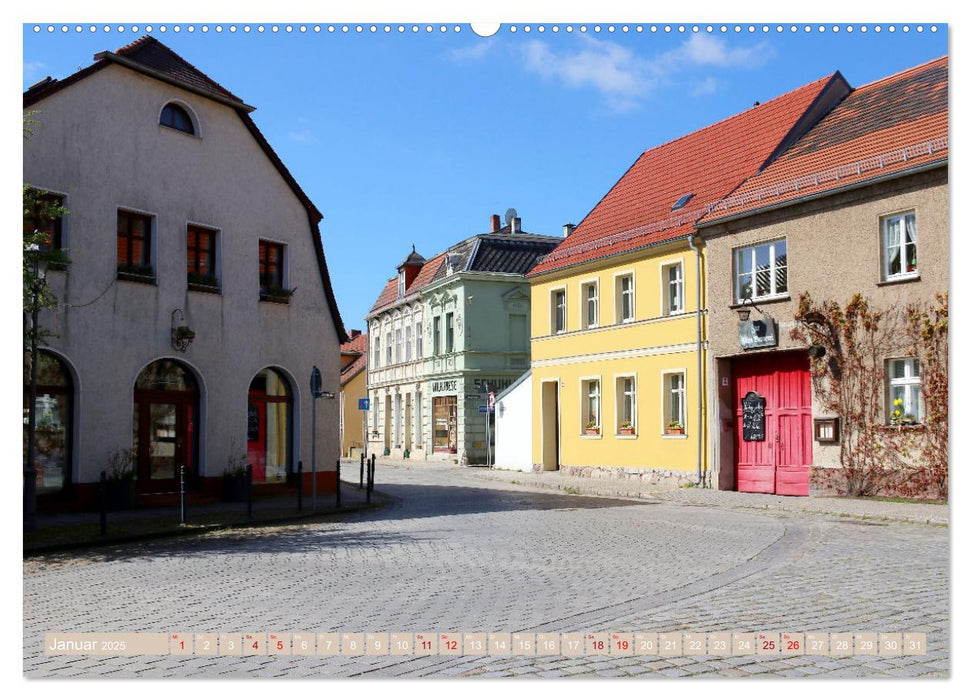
(182, 335)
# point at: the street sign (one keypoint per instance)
(486, 408)
(315, 383)
(364, 404)
(492, 401)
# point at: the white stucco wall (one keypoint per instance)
(99, 142)
(514, 425)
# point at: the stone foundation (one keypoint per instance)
(646, 476)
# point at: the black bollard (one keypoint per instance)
(361, 485)
(103, 502)
(367, 489)
(338, 483)
(300, 485)
(182, 495)
(249, 491)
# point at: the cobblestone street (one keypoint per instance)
(459, 551)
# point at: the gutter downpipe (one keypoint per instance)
(697, 252)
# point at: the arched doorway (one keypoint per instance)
(165, 425)
(54, 421)
(269, 426)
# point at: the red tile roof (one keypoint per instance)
(708, 163)
(894, 124)
(389, 295)
(355, 346)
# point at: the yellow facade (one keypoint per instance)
(352, 425)
(629, 348)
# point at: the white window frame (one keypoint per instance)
(397, 345)
(620, 396)
(387, 339)
(554, 315)
(910, 382)
(585, 301)
(450, 332)
(666, 391)
(585, 395)
(408, 343)
(401, 284)
(419, 340)
(619, 295)
(436, 335)
(667, 309)
(903, 245)
(376, 345)
(738, 255)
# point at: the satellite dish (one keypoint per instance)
(510, 215)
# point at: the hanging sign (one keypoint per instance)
(753, 418)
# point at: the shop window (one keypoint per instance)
(269, 427)
(53, 421)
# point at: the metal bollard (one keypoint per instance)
(361, 485)
(182, 495)
(338, 483)
(374, 463)
(249, 491)
(300, 485)
(103, 502)
(367, 489)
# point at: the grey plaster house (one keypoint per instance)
(180, 215)
(445, 333)
(857, 205)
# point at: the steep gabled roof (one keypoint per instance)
(389, 295)
(708, 164)
(893, 125)
(150, 57)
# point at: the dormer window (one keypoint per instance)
(401, 284)
(175, 117)
(682, 200)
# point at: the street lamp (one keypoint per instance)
(745, 310)
(37, 283)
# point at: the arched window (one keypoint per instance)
(165, 425)
(176, 117)
(269, 426)
(53, 426)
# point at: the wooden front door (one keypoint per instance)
(164, 439)
(780, 463)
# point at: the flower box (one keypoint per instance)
(674, 431)
(591, 431)
(625, 431)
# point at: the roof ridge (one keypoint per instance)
(721, 121)
(901, 73)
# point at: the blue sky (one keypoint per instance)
(416, 138)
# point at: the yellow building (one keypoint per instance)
(618, 331)
(353, 389)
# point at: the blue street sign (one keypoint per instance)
(364, 404)
(486, 408)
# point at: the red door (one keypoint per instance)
(780, 463)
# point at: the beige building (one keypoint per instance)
(353, 390)
(180, 334)
(857, 205)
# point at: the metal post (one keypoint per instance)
(30, 473)
(249, 491)
(300, 485)
(367, 491)
(338, 483)
(361, 485)
(182, 495)
(103, 501)
(313, 456)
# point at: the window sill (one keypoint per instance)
(763, 300)
(586, 436)
(58, 267)
(205, 288)
(273, 299)
(902, 279)
(622, 436)
(133, 277)
(671, 436)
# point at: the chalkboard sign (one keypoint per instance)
(753, 418)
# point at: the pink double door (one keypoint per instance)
(780, 463)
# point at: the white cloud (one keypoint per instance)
(704, 87)
(303, 136)
(34, 71)
(625, 79)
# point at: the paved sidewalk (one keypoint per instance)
(65, 531)
(924, 513)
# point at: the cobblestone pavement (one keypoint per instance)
(456, 553)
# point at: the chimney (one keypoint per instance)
(495, 223)
(353, 333)
(568, 229)
(516, 225)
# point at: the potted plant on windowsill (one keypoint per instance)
(203, 283)
(592, 428)
(136, 273)
(277, 295)
(626, 428)
(120, 479)
(674, 428)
